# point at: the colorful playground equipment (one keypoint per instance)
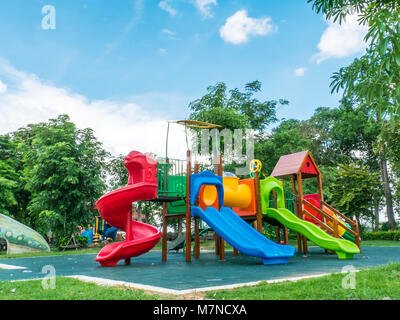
(116, 208)
(95, 235)
(20, 238)
(313, 208)
(228, 206)
(230, 226)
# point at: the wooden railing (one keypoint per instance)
(353, 223)
(336, 223)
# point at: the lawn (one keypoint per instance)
(69, 289)
(372, 284)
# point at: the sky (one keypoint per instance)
(125, 67)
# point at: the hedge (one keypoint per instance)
(382, 235)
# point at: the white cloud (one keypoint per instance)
(205, 7)
(300, 72)
(121, 126)
(162, 50)
(165, 5)
(341, 41)
(168, 34)
(167, 31)
(239, 27)
(3, 87)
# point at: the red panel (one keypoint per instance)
(308, 167)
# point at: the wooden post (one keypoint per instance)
(258, 201)
(301, 198)
(235, 252)
(294, 191)
(286, 235)
(321, 194)
(357, 234)
(165, 232)
(277, 235)
(222, 241)
(196, 224)
(217, 243)
(188, 209)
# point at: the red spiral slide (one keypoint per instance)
(116, 208)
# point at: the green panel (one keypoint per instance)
(177, 207)
(170, 185)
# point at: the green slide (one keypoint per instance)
(344, 249)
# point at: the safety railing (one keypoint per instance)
(171, 177)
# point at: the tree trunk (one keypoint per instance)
(179, 227)
(376, 215)
(388, 194)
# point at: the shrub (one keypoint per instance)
(62, 241)
(382, 235)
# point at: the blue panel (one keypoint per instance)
(205, 178)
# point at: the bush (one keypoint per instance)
(384, 226)
(382, 235)
(62, 241)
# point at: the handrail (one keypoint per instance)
(319, 221)
(329, 217)
(341, 215)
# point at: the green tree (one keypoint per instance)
(118, 175)
(354, 190)
(65, 175)
(235, 109)
(8, 177)
(374, 79)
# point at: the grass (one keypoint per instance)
(69, 289)
(372, 284)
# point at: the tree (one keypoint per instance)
(374, 79)
(118, 175)
(234, 109)
(65, 175)
(354, 190)
(8, 177)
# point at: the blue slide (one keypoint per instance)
(242, 236)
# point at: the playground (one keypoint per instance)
(236, 211)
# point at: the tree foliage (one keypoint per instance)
(64, 175)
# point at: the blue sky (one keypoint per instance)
(161, 54)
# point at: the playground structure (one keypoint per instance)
(20, 238)
(228, 205)
(93, 233)
(116, 208)
(313, 208)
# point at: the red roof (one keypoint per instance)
(294, 163)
